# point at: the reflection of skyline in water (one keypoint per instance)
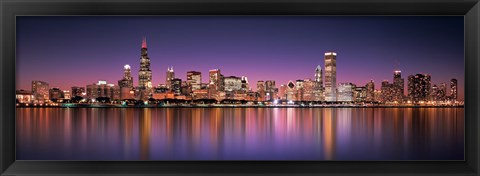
(240, 133)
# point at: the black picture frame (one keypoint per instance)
(9, 9)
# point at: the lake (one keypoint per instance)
(240, 133)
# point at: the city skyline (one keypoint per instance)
(111, 70)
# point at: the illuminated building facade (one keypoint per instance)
(299, 90)
(370, 86)
(177, 86)
(24, 96)
(78, 91)
(194, 80)
(318, 87)
(360, 94)
(453, 89)
(271, 90)
(144, 74)
(261, 90)
(55, 93)
(291, 91)
(40, 91)
(245, 86)
(127, 80)
(330, 76)
(308, 90)
(282, 92)
(387, 92)
(345, 92)
(233, 83)
(419, 86)
(215, 79)
(169, 78)
(398, 87)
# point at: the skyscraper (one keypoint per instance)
(370, 97)
(318, 85)
(330, 76)
(245, 86)
(387, 91)
(194, 80)
(345, 92)
(419, 87)
(318, 76)
(215, 79)
(40, 90)
(144, 74)
(453, 89)
(169, 78)
(127, 80)
(233, 83)
(271, 89)
(177, 86)
(398, 86)
(261, 90)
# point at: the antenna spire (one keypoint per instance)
(144, 42)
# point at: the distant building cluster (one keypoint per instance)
(323, 88)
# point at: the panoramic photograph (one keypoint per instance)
(271, 88)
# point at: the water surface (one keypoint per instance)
(240, 134)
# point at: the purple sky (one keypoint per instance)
(76, 51)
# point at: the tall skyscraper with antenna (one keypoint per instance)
(144, 74)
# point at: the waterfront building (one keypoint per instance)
(55, 93)
(442, 92)
(360, 94)
(194, 80)
(78, 91)
(377, 95)
(291, 91)
(215, 79)
(24, 96)
(270, 90)
(245, 86)
(261, 90)
(398, 86)
(126, 93)
(144, 74)
(66, 94)
(127, 80)
(345, 92)
(318, 88)
(433, 93)
(299, 90)
(419, 87)
(200, 94)
(104, 90)
(233, 83)
(318, 76)
(169, 78)
(282, 92)
(453, 89)
(370, 86)
(387, 92)
(40, 90)
(176, 86)
(308, 90)
(330, 76)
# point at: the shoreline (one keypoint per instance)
(236, 106)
